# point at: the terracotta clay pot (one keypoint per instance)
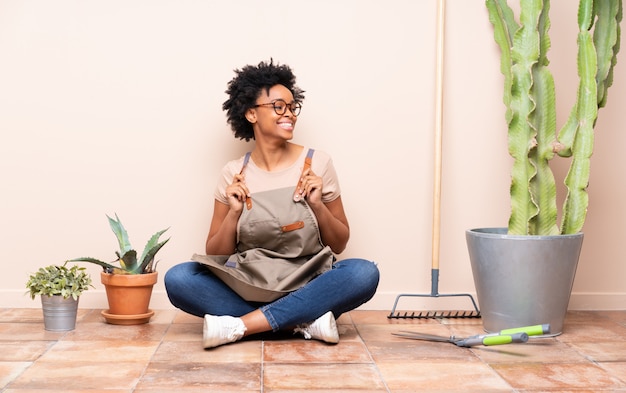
(129, 297)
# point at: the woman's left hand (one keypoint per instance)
(311, 187)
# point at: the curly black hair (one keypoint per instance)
(244, 89)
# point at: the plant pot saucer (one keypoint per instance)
(136, 319)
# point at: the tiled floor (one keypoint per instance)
(166, 356)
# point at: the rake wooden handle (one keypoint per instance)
(438, 134)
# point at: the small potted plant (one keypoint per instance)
(60, 288)
(129, 285)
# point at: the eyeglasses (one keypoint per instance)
(280, 107)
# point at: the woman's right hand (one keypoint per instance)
(237, 192)
(222, 238)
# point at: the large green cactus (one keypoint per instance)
(529, 96)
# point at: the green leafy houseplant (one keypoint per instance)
(529, 96)
(56, 280)
(127, 256)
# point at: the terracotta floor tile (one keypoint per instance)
(435, 389)
(592, 390)
(305, 377)
(546, 350)
(100, 331)
(94, 316)
(617, 316)
(315, 352)
(334, 390)
(579, 316)
(160, 316)
(164, 316)
(69, 391)
(465, 330)
(101, 351)
(386, 332)
(184, 332)
(193, 389)
(604, 330)
(21, 315)
(369, 317)
(380, 318)
(347, 333)
(602, 351)
(557, 376)
(32, 315)
(617, 369)
(416, 351)
(166, 355)
(345, 319)
(475, 323)
(211, 376)
(432, 375)
(27, 331)
(11, 370)
(192, 352)
(183, 317)
(79, 375)
(23, 351)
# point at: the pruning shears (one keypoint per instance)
(506, 336)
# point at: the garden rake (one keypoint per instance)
(434, 292)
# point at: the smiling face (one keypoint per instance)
(266, 122)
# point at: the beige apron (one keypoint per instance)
(279, 247)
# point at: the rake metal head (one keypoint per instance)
(475, 313)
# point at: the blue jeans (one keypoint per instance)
(192, 288)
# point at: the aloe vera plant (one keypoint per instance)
(530, 99)
(127, 256)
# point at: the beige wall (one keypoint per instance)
(115, 106)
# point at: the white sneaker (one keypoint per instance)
(323, 328)
(220, 330)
